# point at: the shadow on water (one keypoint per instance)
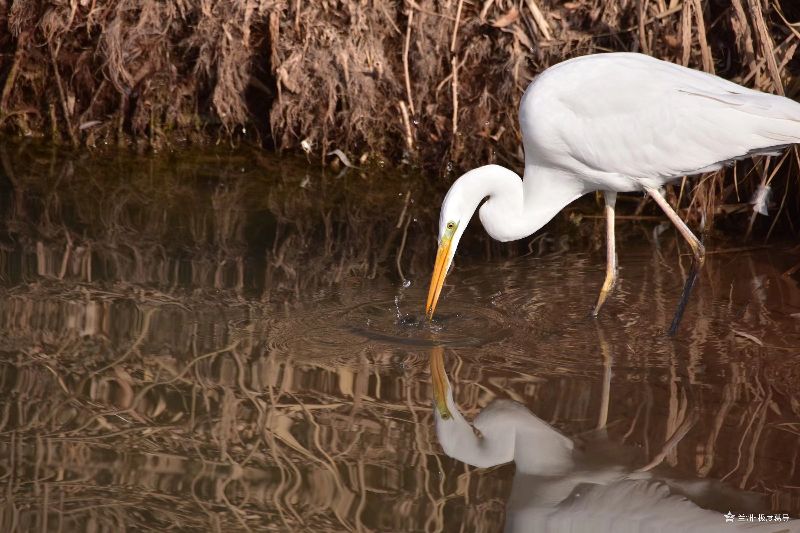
(222, 342)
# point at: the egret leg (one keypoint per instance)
(698, 251)
(611, 252)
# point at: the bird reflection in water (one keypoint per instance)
(560, 485)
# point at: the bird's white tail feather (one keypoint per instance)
(756, 103)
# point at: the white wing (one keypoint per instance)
(538, 447)
(619, 121)
(631, 506)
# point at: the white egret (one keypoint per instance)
(558, 487)
(615, 122)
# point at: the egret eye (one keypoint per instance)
(451, 225)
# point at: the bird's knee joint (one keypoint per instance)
(700, 253)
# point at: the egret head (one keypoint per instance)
(457, 208)
(502, 190)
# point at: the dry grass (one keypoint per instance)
(430, 82)
(131, 69)
(429, 77)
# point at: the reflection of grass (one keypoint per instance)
(141, 382)
(214, 224)
(226, 407)
(196, 423)
(213, 219)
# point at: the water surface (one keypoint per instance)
(217, 341)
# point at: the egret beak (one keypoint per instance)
(443, 257)
(440, 383)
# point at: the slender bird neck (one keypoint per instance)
(514, 209)
(459, 441)
(509, 432)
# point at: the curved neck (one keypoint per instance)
(516, 209)
(508, 432)
(459, 441)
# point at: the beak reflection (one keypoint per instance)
(439, 381)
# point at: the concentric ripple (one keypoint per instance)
(330, 332)
(475, 327)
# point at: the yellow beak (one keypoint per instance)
(439, 381)
(439, 273)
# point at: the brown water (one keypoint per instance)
(226, 342)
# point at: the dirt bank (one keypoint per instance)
(430, 82)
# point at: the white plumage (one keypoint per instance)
(615, 122)
(558, 487)
(621, 121)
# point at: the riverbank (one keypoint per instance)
(429, 85)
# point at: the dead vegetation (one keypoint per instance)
(431, 78)
(428, 82)
(88, 72)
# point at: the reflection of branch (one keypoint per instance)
(329, 464)
(758, 413)
(762, 419)
(633, 423)
(673, 441)
(273, 446)
(400, 250)
(728, 396)
(148, 314)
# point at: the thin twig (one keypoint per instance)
(12, 73)
(405, 61)
(454, 69)
(673, 441)
(541, 21)
(62, 95)
(407, 126)
(767, 47)
(400, 250)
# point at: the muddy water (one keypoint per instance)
(223, 342)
